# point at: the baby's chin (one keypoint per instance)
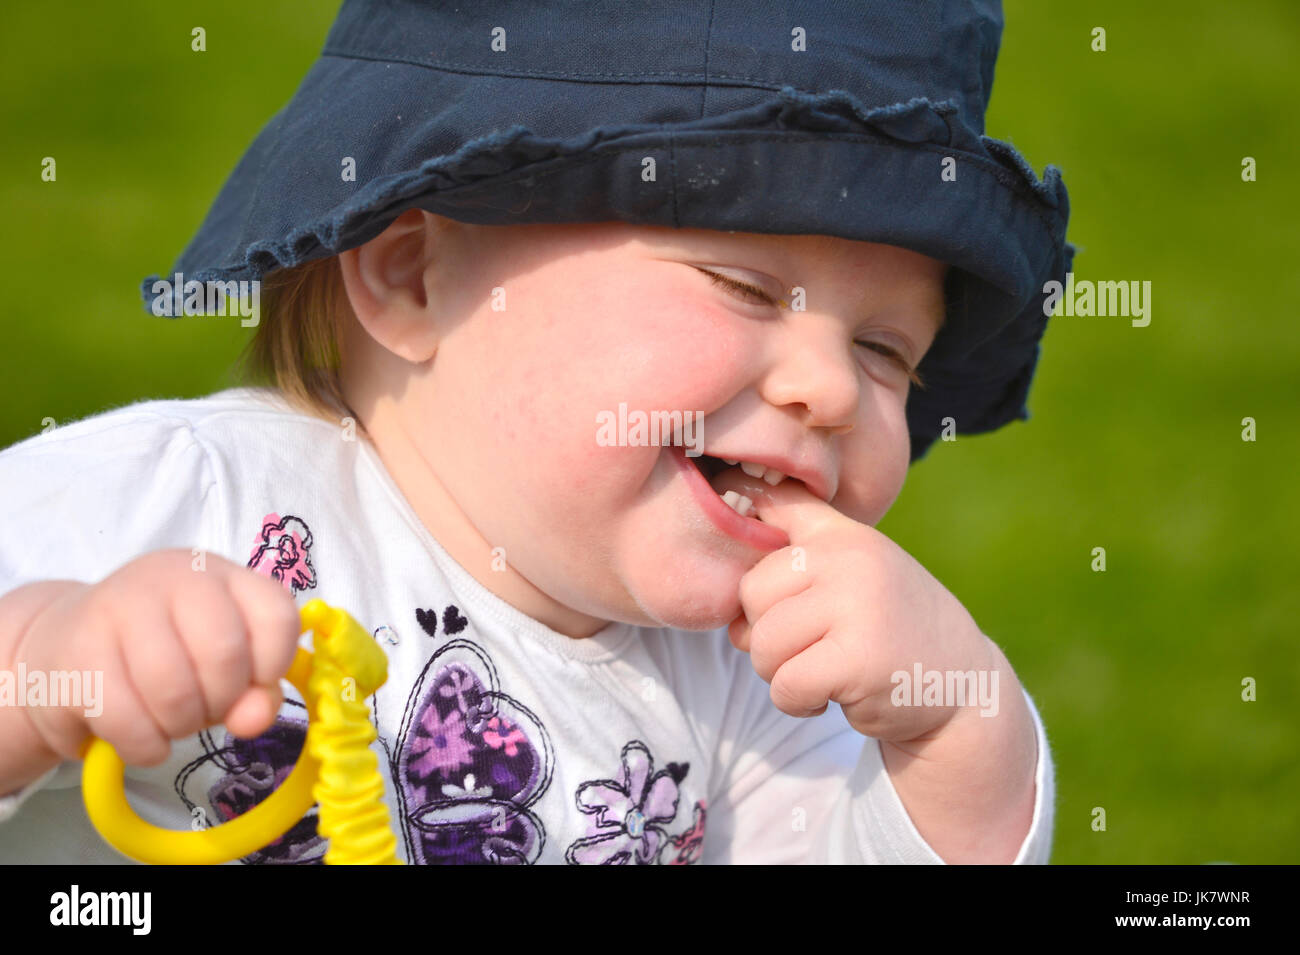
(689, 594)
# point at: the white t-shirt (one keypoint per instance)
(501, 739)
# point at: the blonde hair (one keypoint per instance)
(295, 348)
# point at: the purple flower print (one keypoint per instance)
(239, 774)
(441, 744)
(500, 733)
(459, 684)
(628, 811)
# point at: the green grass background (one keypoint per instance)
(1134, 444)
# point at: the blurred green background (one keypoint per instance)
(1135, 440)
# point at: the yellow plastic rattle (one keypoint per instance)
(336, 768)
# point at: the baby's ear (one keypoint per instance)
(387, 284)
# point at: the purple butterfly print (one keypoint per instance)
(470, 763)
(629, 812)
(250, 771)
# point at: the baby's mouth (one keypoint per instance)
(709, 479)
(750, 477)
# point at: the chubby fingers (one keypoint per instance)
(775, 578)
(785, 631)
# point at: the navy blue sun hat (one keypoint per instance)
(862, 120)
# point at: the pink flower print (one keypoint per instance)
(440, 744)
(628, 811)
(690, 844)
(283, 552)
(494, 737)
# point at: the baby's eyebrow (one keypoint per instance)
(936, 307)
(933, 308)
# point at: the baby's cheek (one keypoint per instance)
(664, 361)
(873, 474)
(695, 357)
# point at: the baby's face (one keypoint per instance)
(594, 317)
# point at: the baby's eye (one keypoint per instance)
(885, 350)
(751, 292)
(757, 295)
(893, 356)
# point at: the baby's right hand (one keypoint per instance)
(180, 650)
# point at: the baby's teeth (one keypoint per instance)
(729, 461)
(738, 502)
(773, 477)
(753, 470)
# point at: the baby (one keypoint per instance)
(600, 651)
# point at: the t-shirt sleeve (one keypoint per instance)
(80, 501)
(815, 791)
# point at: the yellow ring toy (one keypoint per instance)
(336, 767)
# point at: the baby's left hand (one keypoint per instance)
(833, 615)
